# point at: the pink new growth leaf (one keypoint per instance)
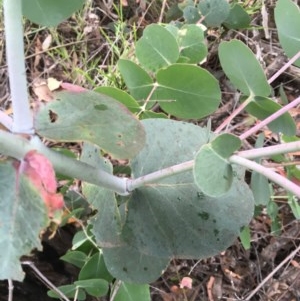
(40, 172)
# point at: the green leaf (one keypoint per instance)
(294, 205)
(226, 144)
(172, 217)
(82, 241)
(263, 107)
(238, 18)
(187, 91)
(23, 216)
(94, 287)
(245, 237)
(215, 11)
(192, 43)
(49, 12)
(133, 292)
(76, 258)
(69, 291)
(212, 173)
(259, 184)
(157, 48)
(120, 96)
(129, 264)
(149, 114)
(272, 211)
(260, 188)
(90, 116)
(169, 218)
(95, 268)
(287, 18)
(123, 261)
(191, 14)
(243, 69)
(173, 13)
(137, 80)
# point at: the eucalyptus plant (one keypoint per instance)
(186, 196)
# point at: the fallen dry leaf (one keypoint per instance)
(42, 91)
(53, 84)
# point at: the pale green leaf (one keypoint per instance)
(245, 237)
(76, 258)
(91, 116)
(191, 14)
(120, 96)
(214, 11)
(94, 287)
(157, 48)
(133, 292)
(287, 18)
(172, 217)
(49, 12)
(23, 217)
(263, 107)
(226, 144)
(243, 69)
(70, 291)
(212, 173)
(192, 43)
(123, 261)
(261, 189)
(94, 268)
(238, 18)
(137, 80)
(187, 91)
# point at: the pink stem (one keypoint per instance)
(271, 118)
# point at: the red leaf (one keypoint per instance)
(40, 172)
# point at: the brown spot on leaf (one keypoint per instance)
(52, 116)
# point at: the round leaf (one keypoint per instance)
(91, 116)
(137, 80)
(243, 69)
(172, 217)
(215, 11)
(213, 174)
(287, 18)
(191, 14)
(226, 144)
(169, 218)
(238, 18)
(191, 43)
(157, 48)
(49, 12)
(187, 91)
